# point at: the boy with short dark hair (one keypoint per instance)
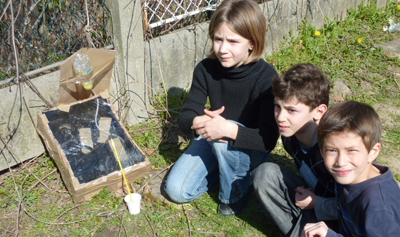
(367, 196)
(301, 99)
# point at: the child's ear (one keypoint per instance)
(374, 152)
(251, 45)
(320, 111)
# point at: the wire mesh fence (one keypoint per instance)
(161, 17)
(160, 12)
(48, 31)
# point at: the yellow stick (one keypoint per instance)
(122, 170)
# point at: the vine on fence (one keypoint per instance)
(48, 31)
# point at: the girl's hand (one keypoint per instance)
(203, 118)
(319, 229)
(305, 198)
(216, 128)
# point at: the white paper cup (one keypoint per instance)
(134, 207)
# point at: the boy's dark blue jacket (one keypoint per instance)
(370, 208)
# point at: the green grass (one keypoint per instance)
(336, 50)
(347, 50)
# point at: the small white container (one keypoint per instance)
(134, 207)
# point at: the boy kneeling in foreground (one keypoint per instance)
(368, 198)
(290, 200)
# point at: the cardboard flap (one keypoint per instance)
(102, 63)
(66, 107)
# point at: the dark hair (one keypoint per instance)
(244, 17)
(305, 82)
(351, 116)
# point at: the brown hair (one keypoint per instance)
(351, 116)
(244, 17)
(305, 82)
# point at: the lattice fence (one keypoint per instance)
(160, 12)
(48, 31)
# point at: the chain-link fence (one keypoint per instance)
(48, 31)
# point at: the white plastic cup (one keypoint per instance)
(133, 207)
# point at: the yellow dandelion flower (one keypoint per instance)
(398, 6)
(153, 167)
(317, 33)
(359, 40)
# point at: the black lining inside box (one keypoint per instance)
(90, 162)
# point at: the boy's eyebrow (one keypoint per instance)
(290, 107)
(347, 147)
(327, 146)
(286, 106)
(352, 147)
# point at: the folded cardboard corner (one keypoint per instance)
(102, 62)
(77, 134)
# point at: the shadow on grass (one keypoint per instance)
(173, 140)
(254, 214)
(171, 149)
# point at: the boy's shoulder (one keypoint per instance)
(385, 182)
(292, 145)
(373, 206)
(311, 166)
(382, 188)
(311, 155)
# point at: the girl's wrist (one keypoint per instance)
(232, 129)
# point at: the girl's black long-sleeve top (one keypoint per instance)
(245, 92)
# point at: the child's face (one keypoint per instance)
(293, 117)
(347, 158)
(230, 48)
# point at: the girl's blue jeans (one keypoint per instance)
(204, 163)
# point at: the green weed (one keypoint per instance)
(159, 137)
(397, 177)
(347, 50)
(392, 136)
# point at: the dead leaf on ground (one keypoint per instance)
(338, 98)
(149, 151)
(297, 47)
